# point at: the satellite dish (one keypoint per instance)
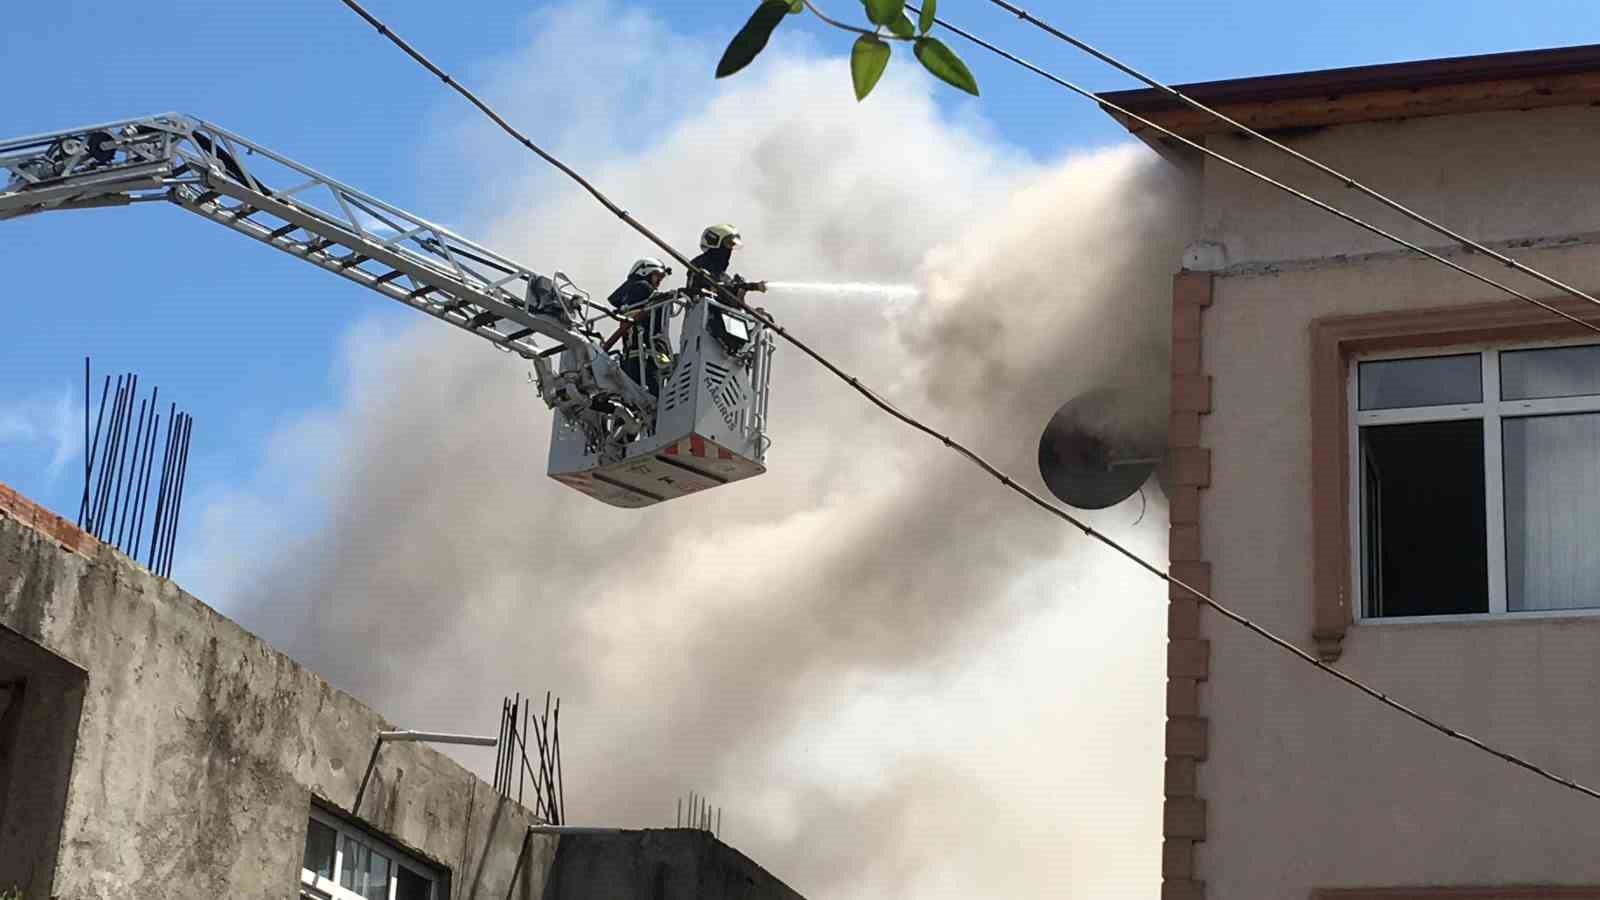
(1094, 453)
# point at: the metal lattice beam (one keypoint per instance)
(226, 178)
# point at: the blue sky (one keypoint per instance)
(249, 340)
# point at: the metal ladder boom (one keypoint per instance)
(224, 177)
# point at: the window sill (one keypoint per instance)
(1506, 618)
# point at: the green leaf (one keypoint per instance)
(752, 37)
(883, 12)
(902, 27)
(868, 58)
(945, 64)
(925, 20)
(797, 6)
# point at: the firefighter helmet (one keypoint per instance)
(648, 266)
(718, 236)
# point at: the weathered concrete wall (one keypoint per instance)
(667, 864)
(199, 747)
(1307, 783)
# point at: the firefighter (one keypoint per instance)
(717, 244)
(646, 335)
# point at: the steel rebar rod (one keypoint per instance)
(159, 520)
(108, 461)
(133, 476)
(177, 507)
(499, 756)
(86, 514)
(559, 785)
(83, 504)
(149, 463)
(122, 458)
(102, 480)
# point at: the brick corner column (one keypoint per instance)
(1188, 652)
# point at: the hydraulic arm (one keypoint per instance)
(217, 174)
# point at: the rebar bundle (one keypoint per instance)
(517, 722)
(119, 463)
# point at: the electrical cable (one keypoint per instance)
(971, 455)
(1269, 180)
(1325, 169)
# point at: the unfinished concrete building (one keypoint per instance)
(151, 747)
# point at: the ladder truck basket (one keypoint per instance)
(709, 426)
(616, 440)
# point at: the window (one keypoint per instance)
(344, 862)
(1476, 477)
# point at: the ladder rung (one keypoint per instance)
(388, 276)
(482, 319)
(280, 232)
(519, 335)
(421, 292)
(354, 259)
(318, 246)
(243, 211)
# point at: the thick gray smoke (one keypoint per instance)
(898, 679)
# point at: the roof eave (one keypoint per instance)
(1501, 81)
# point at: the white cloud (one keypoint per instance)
(49, 424)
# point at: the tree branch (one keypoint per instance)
(843, 27)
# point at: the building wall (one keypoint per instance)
(199, 748)
(663, 863)
(1305, 783)
(192, 764)
(1493, 176)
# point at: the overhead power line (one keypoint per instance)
(1287, 189)
(1325, 169)
(966, 452)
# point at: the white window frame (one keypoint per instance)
(330, 888)
(1492, 411)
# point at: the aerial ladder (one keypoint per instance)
(613, 439)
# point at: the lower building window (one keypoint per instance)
(345, 862)
(1477, 477)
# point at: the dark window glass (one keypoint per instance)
(1424, 538)
(352, 861)
(365, 871)
(377, 886)
(1551, 372)
(1431, 381)
(411, 886)
(319, 849)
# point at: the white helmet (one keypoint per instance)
(718, 236)
(649, 266)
